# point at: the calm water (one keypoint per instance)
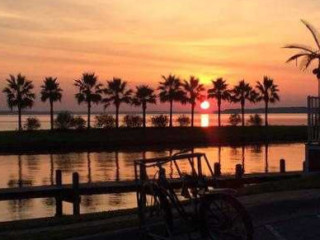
(103, 166)
(9, 122)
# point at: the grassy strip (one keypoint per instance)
(96, 139)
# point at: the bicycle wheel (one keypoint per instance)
(223, 217)
(156, 214)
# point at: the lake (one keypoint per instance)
(9, 122)
(38, 169)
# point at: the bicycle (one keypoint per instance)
(197, 212)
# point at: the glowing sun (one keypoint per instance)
(205, 105)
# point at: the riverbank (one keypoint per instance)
(103, 139)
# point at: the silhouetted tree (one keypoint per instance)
(117, 92)
(171, 91)
(89, 91)
(308, 54)
(51, 91)
(142, 96)
(241, 93)
(19, 94)
(267, 92)
(220, 92)
(194, 92)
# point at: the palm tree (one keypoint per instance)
(144, 95)
(193, 90)
(267, 92)
(171, 91)
(220, 92)
(51, 91)
(242, 92)
(19, 94)
(308, 54)
(89, 91)
(117, 93)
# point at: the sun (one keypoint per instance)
(205, 105)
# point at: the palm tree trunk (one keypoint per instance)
(144, 107)
(19, 118)
(219, 113)
(89, 114)
(117, 116)
(242, 114)
(51, 114)
(192, 114)
(266, 114)
(171, 106)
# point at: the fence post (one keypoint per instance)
(217, 169)
(76, 196)
(58, 197)
(282, 165)
(239, 171)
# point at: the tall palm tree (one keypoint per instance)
(50, 90)
(117, 92)
(19, 94)
(171, 91)
(220, 92)
(308, 54)
(241, 93)
(267, 92)
(89, 91)
(142, 96)
(194, 91)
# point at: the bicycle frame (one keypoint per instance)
(163, 184)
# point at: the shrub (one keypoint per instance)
(255, 120)
(183, 121)
(32, 123)
(64, 120)
(105, 121)
(78, 123)
(132, 121)
(234, 119)
(160, 120)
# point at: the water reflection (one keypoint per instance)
(26, 170)
(205, 120)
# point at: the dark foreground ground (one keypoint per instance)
(289, 215)
(100, 139)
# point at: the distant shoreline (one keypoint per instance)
(276, 110)
(13, 142)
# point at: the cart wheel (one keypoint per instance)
(156, 217)
(223, 217)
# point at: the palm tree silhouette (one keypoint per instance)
(142, 96)
(242, 92)
(308, 54)
(19, 94)
(89, 91)
(171, 91)
(267, 92)
(220, 92)
(51, 91)
(117, 93)
(193, 90)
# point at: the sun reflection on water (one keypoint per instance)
(204, 120)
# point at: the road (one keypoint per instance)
(276, 216)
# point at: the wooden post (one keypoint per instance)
(59, 197)
(282, 165)
(239, 171)
(217, 169)
(76, 196)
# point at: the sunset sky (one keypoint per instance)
(139, 40)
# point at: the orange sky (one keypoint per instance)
(141, 40)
